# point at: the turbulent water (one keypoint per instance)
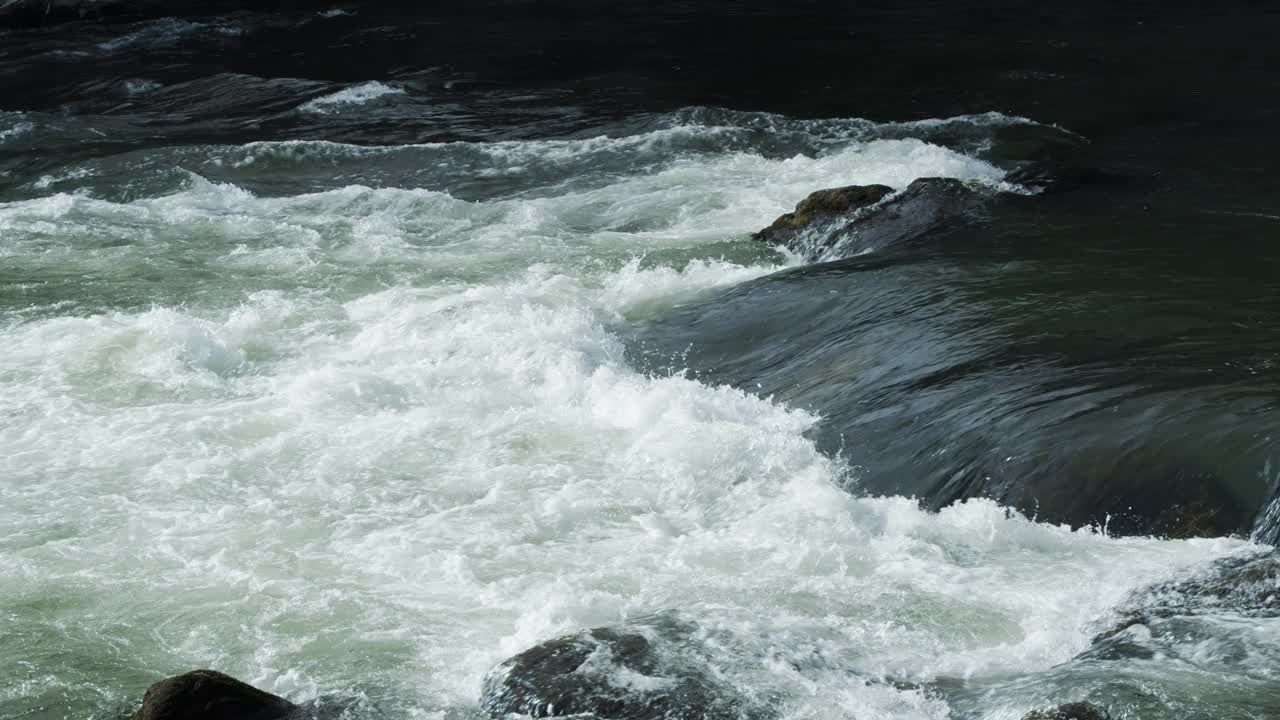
(300, 385)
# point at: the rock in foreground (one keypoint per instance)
(640, 671)
(1070, 711)
(211, 695)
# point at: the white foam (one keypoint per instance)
(354, 95)
(140, 86)
(688, 202)
(47, 181)
(13, 131)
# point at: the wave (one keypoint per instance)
(355, 95)
(591, 195)
(682, 141)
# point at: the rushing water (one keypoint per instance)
(355, 387)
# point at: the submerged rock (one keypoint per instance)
(639, 671)
(1070, 711)
(1163, 615)
(1127, 490)
(211, 695)
(843, 222)
(1047, 158)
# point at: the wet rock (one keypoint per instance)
(211, 695)
(822, 209)
(1070, 711)
(647, 669)
(843, 222)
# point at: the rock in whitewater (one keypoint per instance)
(822, 208)
(211, 695)
(843, 222)
(644, 670)
(1070, 711)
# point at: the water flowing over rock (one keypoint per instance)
(643, 670)
(1162, 617)
(843, 222)
(1127, 492)
(1070, 711)
(211, 695)
(1049, 159)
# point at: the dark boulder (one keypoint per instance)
(821, 209)
(1070, 711)
(648, 669)
(211, 695)
(843, 222)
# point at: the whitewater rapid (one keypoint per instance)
(372, 437)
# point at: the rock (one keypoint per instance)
(643, 670)
(211, 695)
(843, 222)
(835, 205)
(1070, 711)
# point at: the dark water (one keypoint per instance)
(1106, 354)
